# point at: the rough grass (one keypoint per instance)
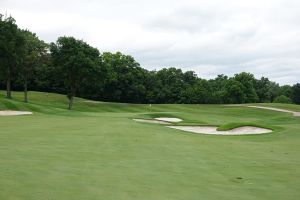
(97, 152)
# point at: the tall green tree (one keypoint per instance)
(126, 79)
(247, 81)
(171, 83)
(262, 87)
(196, 93)
(11, 49)
(234, 92)
(33, 53)
(75, 59)
(273, 91)
(217, 89)
(296, 93)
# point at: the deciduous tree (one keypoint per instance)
(296, 93)
(33, 53)
(11, 49)
(75, 59)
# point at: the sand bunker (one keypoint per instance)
(13, 113)
(168, 119)
(297, 114)
(152, 121)
(160, 120)
(244, 130)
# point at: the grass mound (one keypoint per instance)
(230, 126)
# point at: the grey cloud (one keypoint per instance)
(209, 37)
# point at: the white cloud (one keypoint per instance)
(209, 37)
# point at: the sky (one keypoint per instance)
(210, 37)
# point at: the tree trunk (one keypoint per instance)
(8, 84)
(25, 90)
(71, 97)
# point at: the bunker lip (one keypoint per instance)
(14, 113)
(152, 121)
(168, 119)
(296, 114)
(243, 130)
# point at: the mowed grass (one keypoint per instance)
(97, 152)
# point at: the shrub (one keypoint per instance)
(282, 99)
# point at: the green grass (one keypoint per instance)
(97, 151)
(226, 127)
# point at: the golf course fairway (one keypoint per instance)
(97, 151)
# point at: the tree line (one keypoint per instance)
(73, 67)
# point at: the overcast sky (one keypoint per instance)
(210, 37)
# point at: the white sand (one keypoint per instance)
(297, 114)
(152, 121)
(168, 119)
(13, 113)
(244, 130)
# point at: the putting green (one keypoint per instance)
(97, 151)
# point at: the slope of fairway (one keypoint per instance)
(97, 151)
